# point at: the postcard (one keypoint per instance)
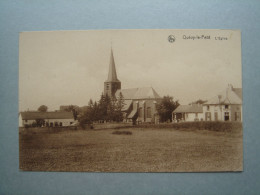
(159, 100)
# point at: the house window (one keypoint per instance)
(226, 116)
(61, 124)
(196, 114)
(207, 108)
(107, 86)
(149, 114)
(226, 106)
(26, 121)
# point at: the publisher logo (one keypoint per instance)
(171, 38)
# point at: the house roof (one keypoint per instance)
(138, 93)
(112, 76)
(229, 96)
(195, 108)
(46, 115)
(238, 91)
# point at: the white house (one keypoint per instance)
(226, 106)
(192, 112)
(51, 119)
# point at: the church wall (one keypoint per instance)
(146, 110)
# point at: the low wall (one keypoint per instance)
(111, 125)
(198, 125)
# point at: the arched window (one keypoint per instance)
(149, 114)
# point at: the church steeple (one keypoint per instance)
(112, 84)
(112, 77)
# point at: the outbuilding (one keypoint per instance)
(183, 113)
(51, 119)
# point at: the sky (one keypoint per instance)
(70, 67)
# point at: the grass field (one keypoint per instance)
(142, 150)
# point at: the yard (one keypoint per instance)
(145, 150)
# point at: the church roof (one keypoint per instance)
(133, 112)
(195, 108)
(229, 96)
(112, 76)
(138, 93)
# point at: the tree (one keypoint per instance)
(74, 110)
(43, 108)
(166, 107)
(95, 111)
(105, 108)
(91, 113)
(119, 107)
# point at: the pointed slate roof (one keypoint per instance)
(146, 93)
(112, 77)
(229, 96)
(139, 93)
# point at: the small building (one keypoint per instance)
(51, 119)
(226, 106)
(192, 112)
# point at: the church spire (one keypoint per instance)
(112, 77)
(112, 84)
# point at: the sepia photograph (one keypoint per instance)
(157, 100)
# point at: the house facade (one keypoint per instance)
(140, 103)
(188, 113)
(226, 106)
(50, 119)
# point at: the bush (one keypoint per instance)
(86, 126)
(122, 132)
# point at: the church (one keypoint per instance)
(140, 103)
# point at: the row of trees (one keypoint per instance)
(106, 109)
(110, 109)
